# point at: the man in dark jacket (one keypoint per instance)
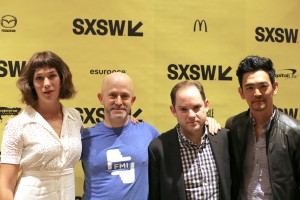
(264, 142)
(186, 162)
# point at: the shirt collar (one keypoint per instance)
(33, 116)
(184, 141)
(267, 124)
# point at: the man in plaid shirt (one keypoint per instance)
(186, 162)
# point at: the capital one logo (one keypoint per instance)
(199, 24)
(287, 73)
(8, 21)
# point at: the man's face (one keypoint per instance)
(117, 99)
(190, 110)
(258, 91)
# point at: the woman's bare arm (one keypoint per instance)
(8, 180)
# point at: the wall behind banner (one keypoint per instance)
(158, 43)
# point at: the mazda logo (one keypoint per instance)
(8, 21)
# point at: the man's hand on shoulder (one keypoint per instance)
(213, 125)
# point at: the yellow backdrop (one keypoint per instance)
(158, 43)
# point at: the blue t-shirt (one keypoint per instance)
(115, 161)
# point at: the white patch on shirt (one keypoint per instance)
(120, 165)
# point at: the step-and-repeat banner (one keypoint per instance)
(158, 43)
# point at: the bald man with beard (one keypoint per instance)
(114, 151)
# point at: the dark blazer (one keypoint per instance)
(166, 179)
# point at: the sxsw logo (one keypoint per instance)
(96, 115)
(11, 68)
(279, 35)
(211, 113)
(293, 112)
(198, 25)
(8, 22)
(287, 73)
(104, 27)
(196, 72)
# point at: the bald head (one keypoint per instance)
(117, 98)
(117, 78)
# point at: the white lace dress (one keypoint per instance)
(46, 161)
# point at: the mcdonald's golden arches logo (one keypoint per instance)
(200, 23)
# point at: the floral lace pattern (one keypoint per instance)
(30, 141)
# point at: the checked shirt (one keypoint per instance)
(200, 172)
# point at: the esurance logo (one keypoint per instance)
(266, 34)
(104, 27)
(8, 22)
(287, 73)
(105, 71)
(196, 72)
(199, 24)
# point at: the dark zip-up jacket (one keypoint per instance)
(283, 152)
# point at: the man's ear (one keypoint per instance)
(133, 99)
(206, 105)
(172, 108)
(241, 93)
(275, 88)
(100, 98)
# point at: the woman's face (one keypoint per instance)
(46, 82)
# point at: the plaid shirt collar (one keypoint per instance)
(184, 141)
